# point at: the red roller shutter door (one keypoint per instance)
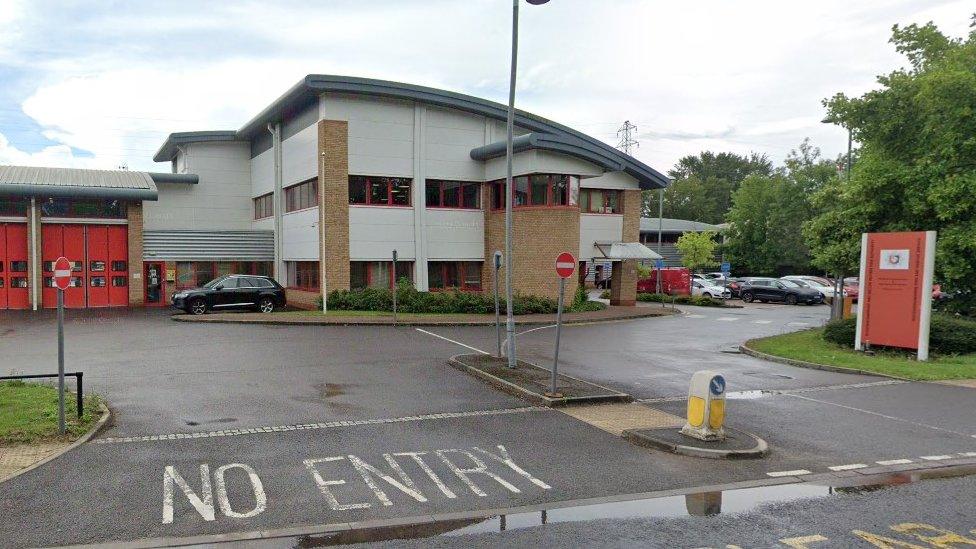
(14, 290)
(118, 259)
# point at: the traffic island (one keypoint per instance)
(533, 383)
(736, 444)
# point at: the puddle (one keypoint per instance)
(699, 504)
(191, 422)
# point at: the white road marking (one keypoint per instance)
(848, 467)
(204, 505)
(316, 426)
(727, 319)
(935, 458)
(260, 498)
(797, 323)
(762, 321)
(697, 316)
(452, 341)
(892, 418)
(793, 473)
(967, 454)
(894, 462)
(775, 392)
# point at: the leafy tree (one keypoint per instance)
(703, 185)
(916, 166)
(697, 250)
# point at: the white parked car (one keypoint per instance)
(810, 282)
(708, 288)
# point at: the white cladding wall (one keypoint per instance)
(598, 228)
(301, 235)
(449, 136)
(455, 234)
(299, 157)
(220, 201)
(262, 173)
(612, 180)
(380, 133)
(375, 231)
(541, 162)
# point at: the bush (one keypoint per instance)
(948, 335)
(699, 300)
(410, 300)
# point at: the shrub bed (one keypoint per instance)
(410, 300)
(699, 300)
(947, 336)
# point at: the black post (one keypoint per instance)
(81, 393)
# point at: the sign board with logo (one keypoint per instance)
(896, 290)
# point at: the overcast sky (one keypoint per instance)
(96, 84)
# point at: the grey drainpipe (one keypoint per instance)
(279, 267)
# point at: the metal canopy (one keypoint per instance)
(619, 251)
(76, 183)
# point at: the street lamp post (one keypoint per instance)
(509, 191)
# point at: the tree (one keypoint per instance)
(697, 250)
(703, 185)
(916, 166)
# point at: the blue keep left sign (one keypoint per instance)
(717, 385)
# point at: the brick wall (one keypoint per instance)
(539, 235)
(136, 289)
(623, 281)
(334, 203)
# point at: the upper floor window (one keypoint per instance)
(379, 191)
(537, 190)
(302, 196)
(264, 206)
(13, 206)
(453, 194)
(605, 201)
(83, 207)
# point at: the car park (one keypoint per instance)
(232, 292)
(772, 289)
(707, 288)
(811, 282)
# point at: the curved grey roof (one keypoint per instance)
(76, 183)
(167, 150)
(669, 225)
(550, 142)
(553, 135)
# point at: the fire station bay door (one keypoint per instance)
(14, 287)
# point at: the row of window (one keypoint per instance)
(528, 190)
(193, 274)
(66, 207)
(441, 275)
(94, 282)
(93, 266)
(15, 266)
(17, 282)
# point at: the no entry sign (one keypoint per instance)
(62, 273)
(565, 265)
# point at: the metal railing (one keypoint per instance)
(79, 394)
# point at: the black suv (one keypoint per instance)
(773, 289)
(232, 292)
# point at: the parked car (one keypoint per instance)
(674, 281)
(708, 289)
(810, 282)
(232, 292)
(772, 289)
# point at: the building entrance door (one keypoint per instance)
(154, 284)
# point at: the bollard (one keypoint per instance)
(706, 406)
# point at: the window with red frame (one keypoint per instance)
(453, 194)
(193, 274)
(302, 196)
(463, 275)
(264, 206)
(303, 275)
(379, 191)
(604, 201)
(536, 190)
(378, 274)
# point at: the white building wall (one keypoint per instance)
(262, 173)
(611, 180)
(380, 133)
(535, 161)
(298, 157)
(598, 228)
(301, 235)
(455, 234)
(449, 136)
(375, 231)
(220, 201)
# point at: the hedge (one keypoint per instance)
(410, 300)
(699, 300)
(947, 336)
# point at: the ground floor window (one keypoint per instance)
(464, 275)
(193, 274)
(303, 275)
(378, 274)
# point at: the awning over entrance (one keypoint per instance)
(618, 251)
(76, 183)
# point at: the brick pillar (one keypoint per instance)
(334, 204)
(623, 280)
(136, 288)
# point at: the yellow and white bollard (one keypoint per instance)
(706, 406)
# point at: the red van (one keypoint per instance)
(674, 281)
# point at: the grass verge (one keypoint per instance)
(29, 413)
(809, 346)
(414, 316)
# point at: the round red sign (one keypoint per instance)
(565, 265)
(62, 273)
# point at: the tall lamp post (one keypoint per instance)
(509, 191)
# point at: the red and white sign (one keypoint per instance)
(895, 291)
(565, 265)
(62, 273)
